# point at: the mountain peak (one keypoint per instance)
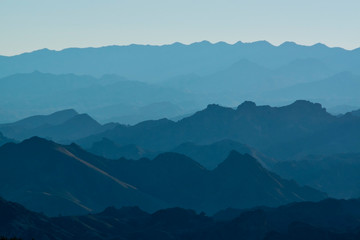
(247, 105)
(288, 44)
(307, 105)
(38, 141)
(237, 162)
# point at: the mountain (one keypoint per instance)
(303, 70)
(340, 88)
(109, 149)
(56, 179)
(210, 156)
(240, 174)
(155, 63)
(240, 181)
(17, 221)
(245, 79)
(105, 97)
(336, 174)
(133, 114)
(66, 125)
(356, 113)
(4, 139)
(51, 119)
(298, 129)
(328, 219)
(243, 76)
(186, 77)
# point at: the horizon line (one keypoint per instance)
(184, 44)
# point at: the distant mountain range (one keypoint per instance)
(130, 84)
(155, 63)
(340, 88)
(58, 179)
(328, 219)
(107, 98)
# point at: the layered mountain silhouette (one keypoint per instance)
(155, 63)
(4, 139)
(57, 179)
(66, 125)
(50, 178)
(287, 132)
(211, 155)
(340, 88)
(108, 97)
(336, 174)
(109, 149)
(356, 113)
(328, 219)
(167, 81)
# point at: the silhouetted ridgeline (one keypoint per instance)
(130, 84)
(288, 132)
(64, 179)
(328, 219)
(66, 125)
(155, 63)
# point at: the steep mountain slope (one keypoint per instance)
(213, 154)
(51, 178)
(66, 179)
(239, 181)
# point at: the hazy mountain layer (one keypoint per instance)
(65, 126)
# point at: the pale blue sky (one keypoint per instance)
(27, 25)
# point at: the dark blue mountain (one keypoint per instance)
(64, 179)
(298, 129)
(328, 219)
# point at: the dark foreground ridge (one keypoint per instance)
(328, 219)
(64, 179)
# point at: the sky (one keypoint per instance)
(28, 25)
